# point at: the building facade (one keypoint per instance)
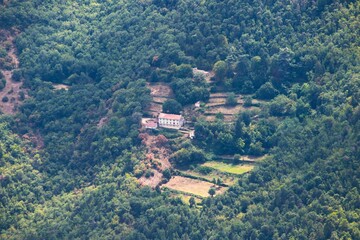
(170, 121)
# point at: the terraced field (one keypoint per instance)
(193, 186)
(229, 168)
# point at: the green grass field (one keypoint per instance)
(230, 168)
(226, 179)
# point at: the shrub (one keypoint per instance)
(2, 84)
(247, 101)
(172, 106)
(266, 92)
(282, 106)
(16, 76)
(231, 100)
(5, 99)
(167, 173)
(149, 173)
(204, 170)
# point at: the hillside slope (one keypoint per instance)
(301, 58)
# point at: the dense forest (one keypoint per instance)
(78, 178)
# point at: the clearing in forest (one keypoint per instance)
(217, 105)
(193, 186)
(227, 118)
(226, 110)
(160, 89)
(160, 92)
(227, 179)
(245, 158)
(207, 75)
(229, 168)
(156, 159)
(60, 86)
(155, 108)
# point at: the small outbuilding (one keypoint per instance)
(149, 123)
(197, 104)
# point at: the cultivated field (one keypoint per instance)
(229, 168)
(192, 186)
(227, 110)
(226, 179)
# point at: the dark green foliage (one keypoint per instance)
(266, 91)
(3, 52)
(78, 182)
(171, 106)
(183, 71)
(231, 100)
(220, 69)
(188, 156)
(16, 75)
(212, 192)
(247, 101)
(21, 96)
(167, 174)
(187, 91)
(282, 106)
(2, 83)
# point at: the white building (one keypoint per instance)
(170, 121)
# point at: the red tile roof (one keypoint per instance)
(170, 116)
(150, 124)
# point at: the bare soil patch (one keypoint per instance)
(35, 138)
(222, 100)
(218, 95)
(160, 90)
(226, 110)
(160, 100)
(152, 181)
(156, 158)
(10, 96)
(193, 186)
(61, 86)
(155, 107)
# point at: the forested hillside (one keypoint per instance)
(71, 156)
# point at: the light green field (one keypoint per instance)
(186, 199)
(226, 179)
(225, 167)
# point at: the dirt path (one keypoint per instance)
(9, 96)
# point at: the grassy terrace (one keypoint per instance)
(229, 168)
(226, 179)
